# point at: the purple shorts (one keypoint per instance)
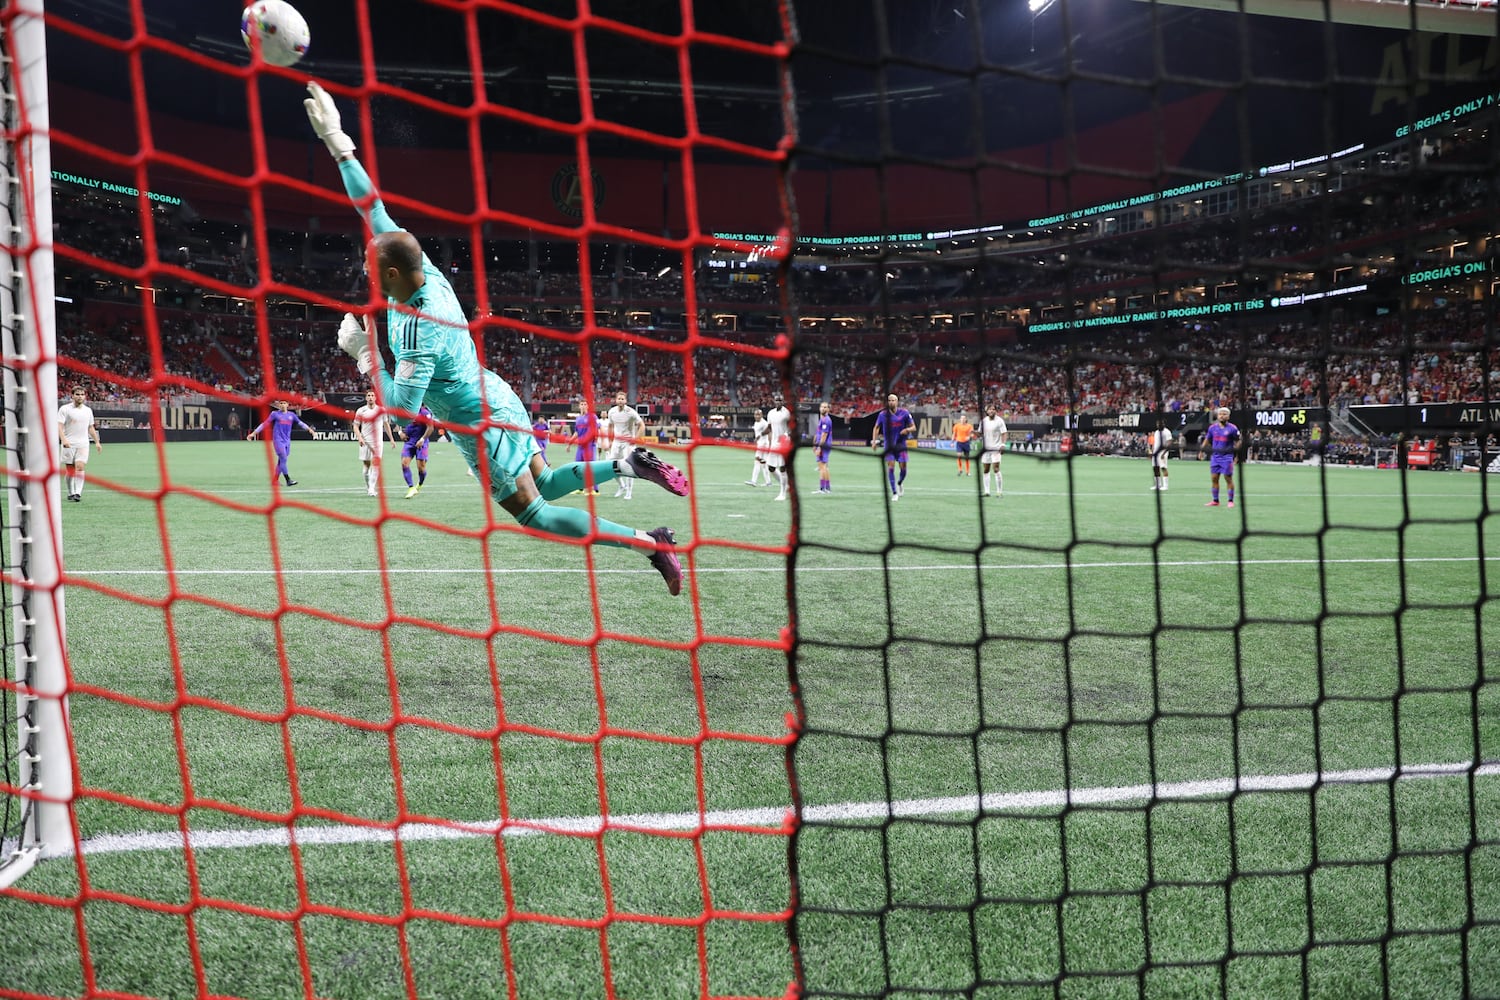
(415, 449)
(823, 454)
(1221, 465)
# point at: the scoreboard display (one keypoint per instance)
(1429, 418)
(1286, 419)
(1280, 419)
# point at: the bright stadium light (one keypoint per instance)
(1037, 6)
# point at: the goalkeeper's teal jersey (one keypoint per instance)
(438, 366)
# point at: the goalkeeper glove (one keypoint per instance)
(355, 342)
(324, 115)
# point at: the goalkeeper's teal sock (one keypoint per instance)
(559, 482)
(573, 523)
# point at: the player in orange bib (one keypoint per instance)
(963, 433)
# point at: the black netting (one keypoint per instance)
(1092, 737)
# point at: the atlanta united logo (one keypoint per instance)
(567, 190)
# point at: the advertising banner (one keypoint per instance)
(1428, 418)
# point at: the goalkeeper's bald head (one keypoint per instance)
(398, 261)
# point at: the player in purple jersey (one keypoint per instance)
(541, 429)
(281, 421)
(893, 427)
(585, 433)
(585, 439)
(416, 435)
(1223, 440)
(823, 445)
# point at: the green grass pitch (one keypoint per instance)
(1057, 651)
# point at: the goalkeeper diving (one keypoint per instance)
(438, 366)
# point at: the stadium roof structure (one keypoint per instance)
(873, 80)
(1446, 17)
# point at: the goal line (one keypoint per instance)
(770, 819)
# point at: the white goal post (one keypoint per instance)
(38, 773)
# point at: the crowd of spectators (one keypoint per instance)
(1437, 355)
(882, 332)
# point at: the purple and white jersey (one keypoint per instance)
(1222, 440)
(281, 423)
(892, 425)
(418, 428)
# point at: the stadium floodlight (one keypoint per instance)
(1038, 6)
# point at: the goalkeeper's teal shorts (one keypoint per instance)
(508, 441)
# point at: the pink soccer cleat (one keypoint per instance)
(664, 559)
(642, 464)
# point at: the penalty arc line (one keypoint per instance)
(772, 818)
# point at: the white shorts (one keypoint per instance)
(368, 454)
(775, 460)
(760, 454)
(76, 455)
(990, 458)
(1159, 461)
(621, 449)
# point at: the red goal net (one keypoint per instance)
(1133, 641)
(341, 726)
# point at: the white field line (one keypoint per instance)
(773, 817)
(903, 567)
(394, 493)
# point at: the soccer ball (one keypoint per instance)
(280, 29)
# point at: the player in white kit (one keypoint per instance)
(762, 434)
(369, 421)
(1159, 442)
(780, 434)
(75, 428)
(624, 426)
(994, 434)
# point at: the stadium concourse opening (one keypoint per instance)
(1132, 642)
